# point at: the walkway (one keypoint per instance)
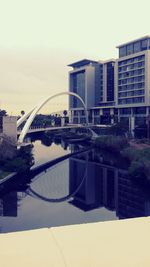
(122, 243)
(40, 129)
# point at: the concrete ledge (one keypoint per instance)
(122, 243)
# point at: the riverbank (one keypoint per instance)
(122, 243)
(37, 169)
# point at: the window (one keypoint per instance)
(129, 100)
(106, 111)
(122, 51)
(144, 44)
(123, 94)
(125, 111)
(129, 49)
(141, 58)
(141, 71)
(130, 93)
(136, 79)
(138, 99)
(96, 112)
(140, 64)
(131, 60)
(130, 80)
(136, 72)
(139, 92)
(137, 47)
(141, 85)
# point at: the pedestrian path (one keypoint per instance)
(123, 243)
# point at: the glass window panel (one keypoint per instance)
(137, 47)
(122, 51)
(144, 44)
(129, 49)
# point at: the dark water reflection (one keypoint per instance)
(84, 188)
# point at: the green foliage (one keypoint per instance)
(65, 113)
(133, 154)
(118, 129)
(26, 154)
(7, 149)
(3, 112)
(13, 160)
(139, 162)
(140, 169)
(129, 153)
(143, 141)
(22, 112)
(16, 165)
(111, 143)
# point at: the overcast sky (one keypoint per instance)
(38, 38)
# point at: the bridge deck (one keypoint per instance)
(34, 130)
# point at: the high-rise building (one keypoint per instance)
(114, 90)
(93, 81)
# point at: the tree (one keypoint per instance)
(118, 129)
(65, 113)
(22, 112)
(3, 113)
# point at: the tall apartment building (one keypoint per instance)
(114, 90)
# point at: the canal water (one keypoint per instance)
(88, 187)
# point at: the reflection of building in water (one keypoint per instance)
(131, 199)
(8, 205)
(98, 187)
(89, 195)
(1, 207)
(106, 186)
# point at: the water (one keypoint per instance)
(84, 188)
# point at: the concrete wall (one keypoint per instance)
(123, 243)
(10, 127)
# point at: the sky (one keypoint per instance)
(39, 38)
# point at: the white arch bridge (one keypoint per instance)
(29, 117)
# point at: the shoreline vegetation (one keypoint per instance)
(134, 152)
(13, 159)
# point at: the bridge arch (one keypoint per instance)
(33, 113)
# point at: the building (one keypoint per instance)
(8, 127)
(114, 90)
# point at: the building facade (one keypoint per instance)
(114, 90)
(8, 127)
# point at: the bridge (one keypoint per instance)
(52, 128)
(29, 117)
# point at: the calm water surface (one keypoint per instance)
(81, 189)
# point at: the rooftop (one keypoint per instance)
(82, 63)
(133, 41)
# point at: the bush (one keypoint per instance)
(140, 169)
(16, 165)
(133, 154)
(139, 162)
(143, 141)
(129, 153)
(118, 129)
(7, 148)
(22, 160)
(110, 142)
